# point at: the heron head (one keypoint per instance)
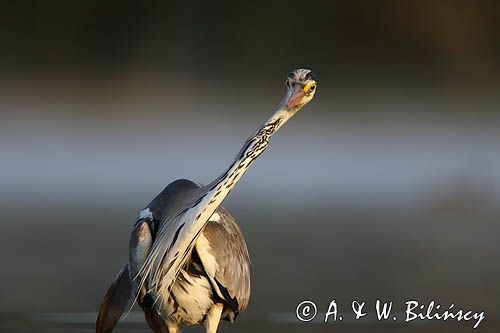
(301, 84)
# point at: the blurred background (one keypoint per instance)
(387, 186)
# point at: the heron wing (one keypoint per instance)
(114, 302)
(224, 255)
(175, 211)
(139, 246)
(140, 243)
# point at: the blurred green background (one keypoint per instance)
(387, 186)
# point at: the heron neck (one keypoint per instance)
(252, 148)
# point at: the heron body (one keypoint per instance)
(218, 269)
(188, 261)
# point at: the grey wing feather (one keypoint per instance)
(114, 302)
(181, 215)
(140, 243)
(168, 208)
(228, 244)
(225, 258)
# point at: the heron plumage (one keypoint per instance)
(220, 247)
(188, 261)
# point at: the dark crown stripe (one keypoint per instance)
(311, 76)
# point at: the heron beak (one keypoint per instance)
(294, 96)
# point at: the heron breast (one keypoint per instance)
(190, 299)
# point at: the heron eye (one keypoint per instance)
(312, 87)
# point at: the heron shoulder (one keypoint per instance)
(176, 194)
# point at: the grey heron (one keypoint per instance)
(188, 261)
